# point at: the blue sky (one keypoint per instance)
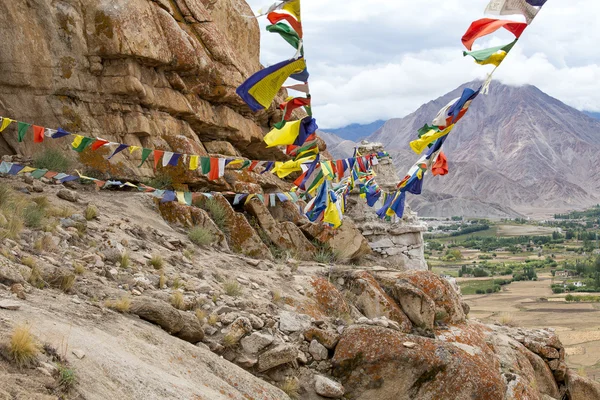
(380, 59)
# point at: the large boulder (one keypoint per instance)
(580, 388)
(178, 323)
(377, 363)
(285, 235)
(373, 302)
(346, 241)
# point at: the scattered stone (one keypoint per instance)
(256, 342)
(223, 310)
(409, 345)
(239, 328)
(253, 263)
(18, 290)
(290, 322)
(246, 361)
(78, 353)
(302, 358)
(256, 322)
(279, 355)
(318, 351)
(363, 320)
(9, 305)
(328, 388)
(68, 195)
(326, 338)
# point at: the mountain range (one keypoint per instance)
(516, 152)
(357, 132)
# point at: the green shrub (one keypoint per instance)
(161, 181)
(480, 291)
(66, 377)
(217, 212)
(53, 160)
(200, 236)
(489, 290)
(33, 215)
(232, 288)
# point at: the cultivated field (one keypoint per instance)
(577, 324)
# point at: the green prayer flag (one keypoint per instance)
(188, 198)
(85, 142)
(484, 54)
(246, 164)
(22, 128)
(39, 173)
(145, 154)
(287, 33)
(205, 164)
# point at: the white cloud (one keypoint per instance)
(382, 59)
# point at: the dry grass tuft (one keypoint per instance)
(125, 260)
(277, 297)
(79, 268)
(91, 212)
(162, 281)
(230, 340)
(66, 283)
(213, 319)
(45, 243)
(200, 236)
(157, 261)
(61, 212)
(200, 314)
(35, 278)
(23, 348)
(291, 387)
(122, 305)
(33, 215)
(506, 319)
(177, 300)
(28, 261)
(232, 288)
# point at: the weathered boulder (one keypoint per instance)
(373, 363)
(580, 388)
(290, 322)
(419, 307)
(68, 195)
(346, 241)
(328, 388)
(239, 328)
(328, 339)
(256, 342)
(279, 355)
(183, 325)
(318, 351)
(285, 236)
(328, 298)
(373, 302)
(9, 273)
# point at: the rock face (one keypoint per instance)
(155, 74)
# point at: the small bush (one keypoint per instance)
(23, 348)
(79, 268)
(217, 213)
(162, 281)
(33, 215)
(53, 160)
(28, 261)
(213, 319)
(156, 261)
(232, 288)
(480, 291)
(45, 243)
(200, 314)
(42, 201)
(66, 377)
(13, 227)
(122, 305)
(91, 212)
(61, 212)
(291, 387)
(177, 300)
(161, 181)
(125, 260)
(200, 236)
(277, 297)
(489, 290)
(66, 283)
(35, 278)
(507, 319)
(230, 340)
(325, 255)
(177, 283)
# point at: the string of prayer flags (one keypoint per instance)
(493, 55)
(486, 26)
(512, 7)
(262, 87)
(289, 12)
(428, 138)
(80, 143)
(288, 34)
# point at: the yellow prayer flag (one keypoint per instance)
(5, 123)
(420, 144)
(194, 162)
(77, 141)
(133, 148)
(284, 136)
(332, 215)
(180, 197)
(27, 169)
(495, 59)
(293, 7)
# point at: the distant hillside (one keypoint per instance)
(337, 146)
(592, 114)
(517, 147)
(356, 132)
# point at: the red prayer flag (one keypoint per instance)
(458, 118)
(485, 26)
(293, 104)
(276, 16)
(252, 166)
(157, 156)
(38, 134)
(340, 169)
(213, 175)
(441, 165)
(98, 143)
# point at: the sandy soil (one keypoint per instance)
(577, 325)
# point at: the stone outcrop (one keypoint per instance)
(157, 74)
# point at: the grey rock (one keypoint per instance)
(9, 305)
(256, 342)
(68, 195)
(318, 351)
(78, 353)
(328, 388)
(290, 322)
(279, 355)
